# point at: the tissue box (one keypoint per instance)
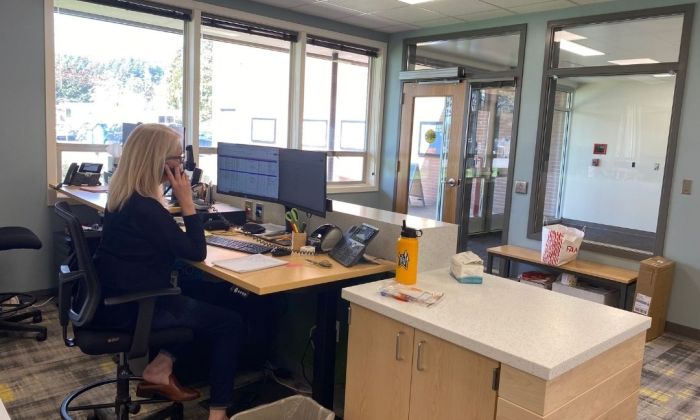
(467, 267)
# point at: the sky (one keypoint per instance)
(104, 41)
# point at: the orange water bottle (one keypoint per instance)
(407, 255)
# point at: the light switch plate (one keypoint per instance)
(521, 187)
(687, 186)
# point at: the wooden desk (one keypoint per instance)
(95, 200)
(620, 278)
(298, 274)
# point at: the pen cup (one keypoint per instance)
(298, 240)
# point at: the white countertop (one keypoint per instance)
(538, 331)
(386, 216)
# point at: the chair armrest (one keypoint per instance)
(134, 297)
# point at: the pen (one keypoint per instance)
(400, 297)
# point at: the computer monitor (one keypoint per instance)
(127, 128)
(303, 180)
(248, 171)
(294, 178)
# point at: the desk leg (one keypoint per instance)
(489, 263)
(623, 296)
(323, 386)
(504, 267)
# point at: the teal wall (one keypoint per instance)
(683, 228)
(23, 142)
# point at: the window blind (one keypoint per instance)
(342, 46)
(147, 7)
(248, 27)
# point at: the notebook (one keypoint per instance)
(253, 262)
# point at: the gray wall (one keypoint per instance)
(683, 227)
(23, 142)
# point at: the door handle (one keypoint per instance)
(398, 346)
(419, 358)
(453, 182)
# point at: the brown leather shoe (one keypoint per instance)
(173, 391)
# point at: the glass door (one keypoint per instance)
(489, 132)
(429, 155)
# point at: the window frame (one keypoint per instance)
(551, 73)
(191, 79)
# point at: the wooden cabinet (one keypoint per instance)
(397, 372)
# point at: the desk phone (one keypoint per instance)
(351, 248)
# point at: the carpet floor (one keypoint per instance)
(36, 376)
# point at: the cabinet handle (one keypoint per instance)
(398, 345)
(419, 359)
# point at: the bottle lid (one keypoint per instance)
(408, 232)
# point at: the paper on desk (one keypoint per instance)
(252, 262)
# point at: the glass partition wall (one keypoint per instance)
(608, 122)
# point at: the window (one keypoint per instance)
(244, 83)
(606, 140)
(121, 63)
(336, 93)
(114, 68)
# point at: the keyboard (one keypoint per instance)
(242, 246)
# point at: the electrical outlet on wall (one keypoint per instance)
(259, 212)
(687, 186)
(249, 215)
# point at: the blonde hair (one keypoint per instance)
(142, 163)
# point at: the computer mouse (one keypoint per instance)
(252, 228)
(280, 252)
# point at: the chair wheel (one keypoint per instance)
(41, 336)
(134, 408)
(36, 318)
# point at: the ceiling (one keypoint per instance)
(395, 16)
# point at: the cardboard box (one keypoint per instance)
(653, 291)
(586, 291)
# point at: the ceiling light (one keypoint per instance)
(578, 49)
(415, 1)
(633, 61)
(664, 75)
(425, 44)
(566, 36)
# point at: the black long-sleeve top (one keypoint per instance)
(140, 243)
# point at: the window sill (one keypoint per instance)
(351, 188)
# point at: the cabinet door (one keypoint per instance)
(378, 378)
(450, 382)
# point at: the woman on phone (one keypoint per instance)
(140, 243)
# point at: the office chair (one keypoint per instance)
(79, 295)
(12, 304)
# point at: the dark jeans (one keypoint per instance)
(220, 328)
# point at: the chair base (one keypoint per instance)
(122, 406)
(11, 317)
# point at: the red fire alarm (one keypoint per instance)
(600, 149)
